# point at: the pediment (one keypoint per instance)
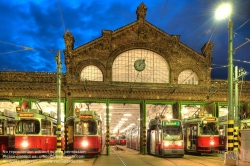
(138, 34)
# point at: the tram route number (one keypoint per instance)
(234, 155)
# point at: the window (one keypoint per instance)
(91, 73)
(46, 127)
(28, 127)
(188, 77)
(156, 70)
(86, 128)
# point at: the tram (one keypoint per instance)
(165, 137)
(7, 127)
(135, 138)
(112, 140)
(84, 133)
(201, 134)
(121, 140)
(35, 132)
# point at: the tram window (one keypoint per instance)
(123, 137)
(28, 127)
(99, 127)
(209, 129)
(222, 132)
(46, 127)
(172, 132)
(86, 128)
(1, 128)
(54, 129)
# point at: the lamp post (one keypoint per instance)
(222, 12)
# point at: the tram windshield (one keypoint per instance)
(86, 128)
(122, 137)
(172, 131)
(28, 127)
(112, 138)
(209, 129)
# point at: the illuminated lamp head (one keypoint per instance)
(166, 144)
(179, 143)
(24, 143)
(85, 143)
(211, 142)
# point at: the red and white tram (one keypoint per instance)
(165, 137)
(84, 133)
(112, 140)
(121, 140)
(201, 134)
(34, 132)
(7, 127)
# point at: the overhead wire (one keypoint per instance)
(162, 12)
(243, 24)
(61, 15)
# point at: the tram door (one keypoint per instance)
(192, 137)
(152, 142)
(223, 137)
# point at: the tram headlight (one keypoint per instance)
(211, 142)
(85, 143)
(24, 143)
(179, 143)
(166, 144)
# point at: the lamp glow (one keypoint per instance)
(24, 144)
(85, 143)
(223, 11)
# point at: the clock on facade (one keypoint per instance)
(140, 64)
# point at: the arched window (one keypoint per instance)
(91, 73)
(188, 77)
(156, 67)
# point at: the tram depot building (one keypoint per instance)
(137, 63)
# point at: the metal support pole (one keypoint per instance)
(236, 113)
(230, 87)
(58, 132)
(107, 129)
(144, 129)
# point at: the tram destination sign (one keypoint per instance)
(26, 115)
(210, 119)
(85, 116)
(171, 123)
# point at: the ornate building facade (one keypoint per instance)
(135, 62)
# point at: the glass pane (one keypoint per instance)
(188, 77)
(156, 70)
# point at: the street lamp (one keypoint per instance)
(222, 12)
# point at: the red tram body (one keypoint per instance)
(112, 140)
(201, 134)
(84, 133)
(34, 133)
(7, 127)
(121, 140)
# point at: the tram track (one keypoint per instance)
(173, 162)
(125, 164)
(22, 161)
